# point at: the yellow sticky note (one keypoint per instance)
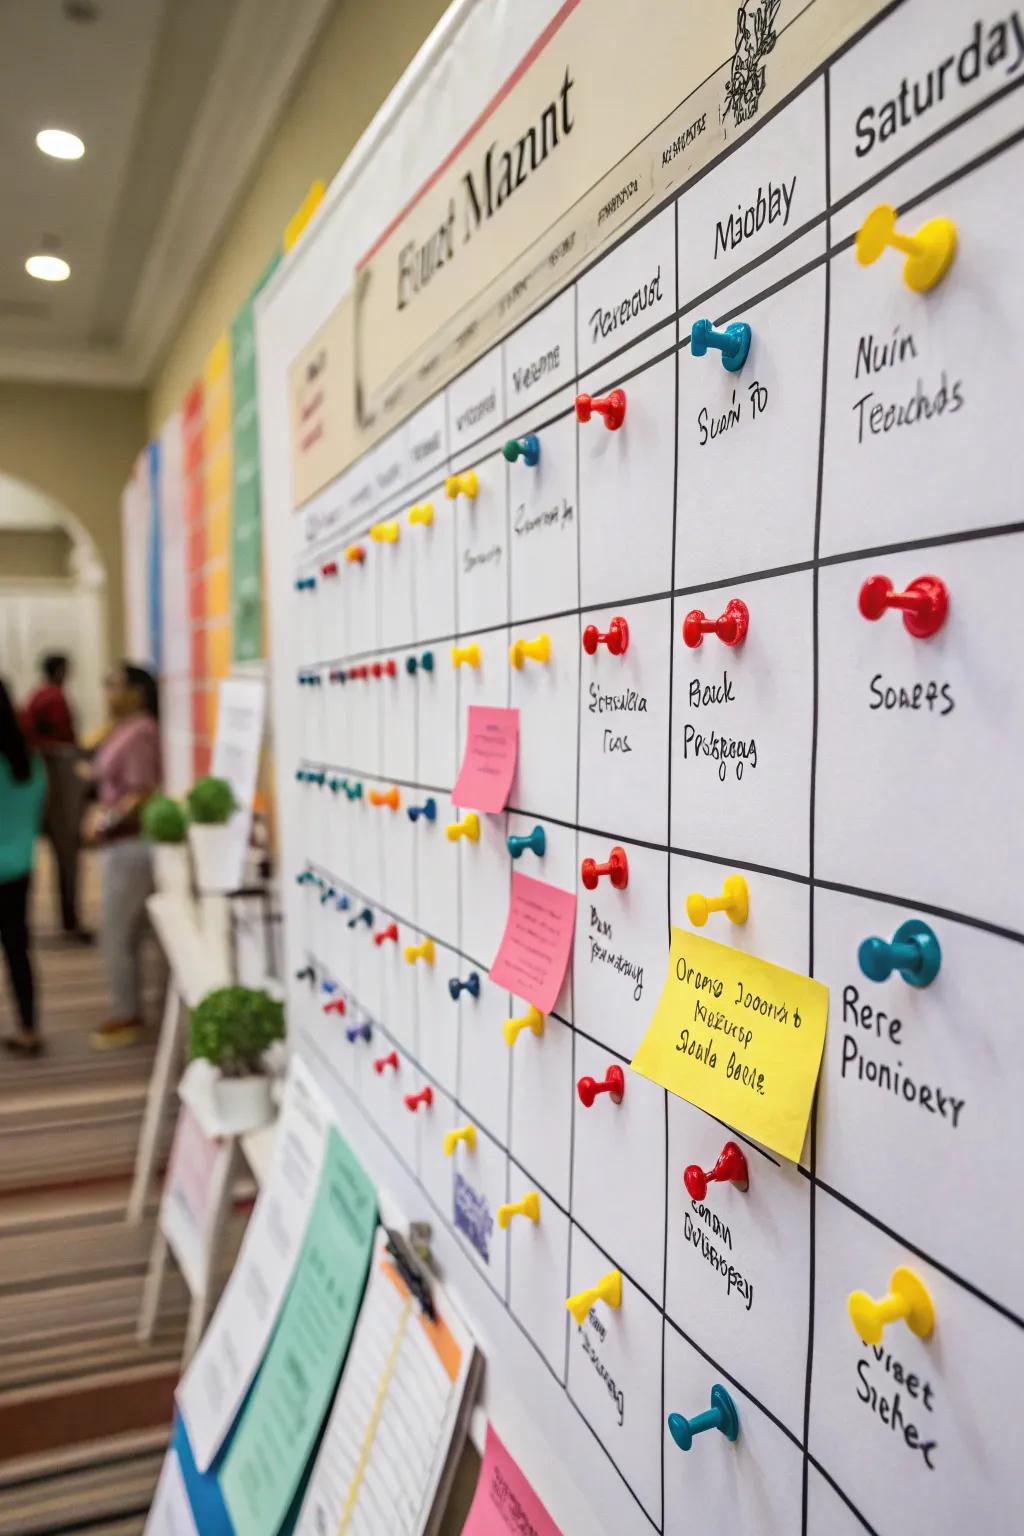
(739, 1037)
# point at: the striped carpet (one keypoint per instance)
(84, 1409)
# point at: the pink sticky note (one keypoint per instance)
(489, 761)
(504, 1503)
(534, 949)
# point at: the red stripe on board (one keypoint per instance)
(517, 74)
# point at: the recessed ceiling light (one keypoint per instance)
(48, 269)
(60, 144)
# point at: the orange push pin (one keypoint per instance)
(422, 513)
(608, 1289)
(385, 797)
(465, 484)
(929, 252)
(908, 1298)
(355, 554)
(734, 902)
(466, 1133)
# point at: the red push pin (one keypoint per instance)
(614, 1084)
(414, 1100)
(329, 568)
(358, 672)
(925, 603)
(384, 668)
(730, 626)
(390, 1060)
(336, 1005)
(731, 1168)
(611, 406)
(390, 932)
(617, 638)
(617, 870)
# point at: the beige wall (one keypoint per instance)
(362, 51)
(34, 552)
(77, 446)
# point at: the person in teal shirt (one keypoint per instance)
(22, 798)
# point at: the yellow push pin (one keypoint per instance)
(469, 827)
(422, 513)
(537, 650)
(470, 654)
(734, 902)
(385, 533)
(466, 1133)
(929, 253)
(424, 951)
(608, 1289)
(529, 1206)
(462, 485)
(532, 1020)
(908, 1298)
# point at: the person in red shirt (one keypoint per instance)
(49, 727)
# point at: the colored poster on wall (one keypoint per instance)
(175, 680)
(217, 493)
(246, 531)
(154, 642)
(136, 521)
(195, 562)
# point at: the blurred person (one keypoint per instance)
(125, 770)
(50, 727)
(22, 797)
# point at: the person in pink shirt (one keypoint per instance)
(126, 770)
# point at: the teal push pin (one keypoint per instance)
(914, 952)
(526, 448)
(335, 785)
(733, 342)
(365, 916)
(354, 791)
(300, 775)
(536, 840)
(326, 894)
(428, 810)
(426, 661)
(721, 1415)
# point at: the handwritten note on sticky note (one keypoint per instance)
(489, 761)
(739, 1037)
(534, 949)
(504, 1502)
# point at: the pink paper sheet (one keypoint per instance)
(534, 950)
(504, 1503)
(489, 761)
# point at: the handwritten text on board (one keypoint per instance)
(534, 949)
(489, 761)
(739, 1037)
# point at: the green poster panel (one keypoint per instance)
(246, 531)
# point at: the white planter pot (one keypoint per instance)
(242, 1103)
(213, 854)
(172, 873)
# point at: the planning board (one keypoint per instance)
(836, 726)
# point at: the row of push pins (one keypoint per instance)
(928, 254)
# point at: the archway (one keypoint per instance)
(53, 596)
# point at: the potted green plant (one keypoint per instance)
(164, 825)
(211, 803)
(231, 1028)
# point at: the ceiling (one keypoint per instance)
(174, 99)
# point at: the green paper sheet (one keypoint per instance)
(282, 1419)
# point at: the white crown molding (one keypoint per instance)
(266, 45)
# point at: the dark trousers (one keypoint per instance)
(62, 827)
(14, 938)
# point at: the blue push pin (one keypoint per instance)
(342, 904)
(721, 1415)
(328, 986)
(914, 952)
(428, 810)
(525, 448)
(306, 974)
(365, 916)
(733, 342)
(470, 985)
(359, 1032)
(536, 840)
